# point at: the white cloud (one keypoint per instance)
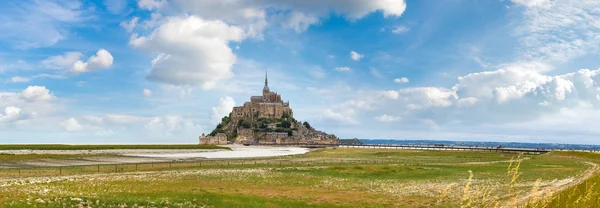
(530, 3)
(401, 80)
(36, 93)
(297, 21)
(19, 79)
(64, 61)
(147, 92)
(169, 125)
(558, 31)
(391, 94)
(115, 6)
(130, 26)
(39, 23)
(151, 4)
(317, 72)
(71, 124)
(387, 118)
(356, 56)
(376, 73)
(498, 97)
(102, 60)
(225, 107)
(193, 51)
(343, 69)
(400, 29)
(344, 116)
(31, 103)
(10, 115)
(297, 15)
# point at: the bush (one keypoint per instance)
(284, 124)
(225, 120)
(307, 125)
(244, 124)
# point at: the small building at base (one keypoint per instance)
(218, 139)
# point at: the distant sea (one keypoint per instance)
(555, 146)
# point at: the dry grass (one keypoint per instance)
(324, 178)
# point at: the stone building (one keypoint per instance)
(218, 139)
(269, 105)
(265, 119)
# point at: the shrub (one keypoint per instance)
(307, 125)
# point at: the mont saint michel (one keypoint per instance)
(265, 119)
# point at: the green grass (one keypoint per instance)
(323, 178)
(14, 158)
(101, 147)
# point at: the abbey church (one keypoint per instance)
(265, 119)
(269, 105)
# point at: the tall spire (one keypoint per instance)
(266, 88)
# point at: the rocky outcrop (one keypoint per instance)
(267, 119)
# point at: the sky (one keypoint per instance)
(166, 71)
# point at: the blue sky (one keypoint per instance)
(164, 71)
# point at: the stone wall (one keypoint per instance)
(219, 139)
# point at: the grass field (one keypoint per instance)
(104, 147)
(324, 178)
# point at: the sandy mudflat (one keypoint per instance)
(123, 156)
(237, 151)
(106, 151)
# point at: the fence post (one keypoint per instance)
(60, 170)
(19, 172)
(170, 165)
(136, 167)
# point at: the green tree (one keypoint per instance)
(225, 120)
(244, 124)
(285, 124)
(307, 125)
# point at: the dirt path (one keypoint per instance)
(549, 188)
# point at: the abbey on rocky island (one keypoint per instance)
(265, 119)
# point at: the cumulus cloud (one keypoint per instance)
(496, 97)
(387, 118)
(356, 56)
(71, 124)
(102, 60)
(297, 21)
(62, 61)
(223, 109)
(297, 15)
(192, 51)
(36, 93)
(32, 102)
(343, 69)
(10, 115)
(401, 80)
